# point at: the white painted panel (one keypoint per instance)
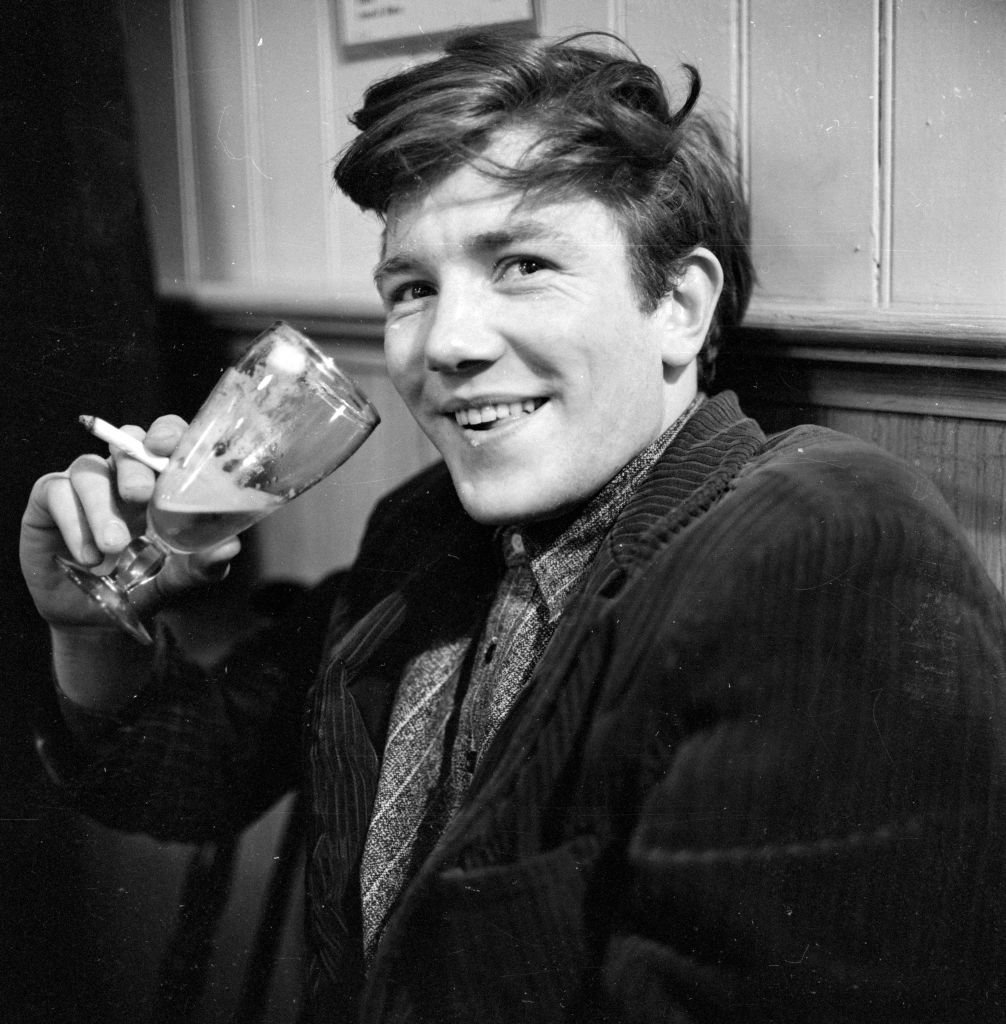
(669, 33)
(223, 149)
(813, 149)
(563, 17)
(355, 235)
(949, 220)
(292, 175)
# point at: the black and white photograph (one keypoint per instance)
(504, 512)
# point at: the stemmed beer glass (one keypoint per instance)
(278, 421)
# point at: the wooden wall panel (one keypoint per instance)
(355, 235)
(823, 97)
(813, 149)
(562, 17)
(214, 40)
(291, 177)
(949, 160)
(834, 160)
(965, 458)
(669, 35)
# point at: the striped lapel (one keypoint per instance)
(342, 774)
(418, 582)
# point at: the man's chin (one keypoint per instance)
(489, 512)
(501, 505)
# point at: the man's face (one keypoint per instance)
(516, 338)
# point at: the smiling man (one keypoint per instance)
(625, 712)
(501, 314)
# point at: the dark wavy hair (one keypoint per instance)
(605, 129)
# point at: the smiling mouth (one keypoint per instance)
(485, 417)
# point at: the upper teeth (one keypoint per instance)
(477, 415)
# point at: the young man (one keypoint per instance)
(625, 712)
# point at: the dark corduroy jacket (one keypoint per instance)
(759, 774)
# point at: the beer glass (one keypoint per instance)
(279, 420)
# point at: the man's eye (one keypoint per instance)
(529, 266)
(411, 291)
(521, 266)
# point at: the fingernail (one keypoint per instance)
(160, 435)
(90, 555)
(115, 535)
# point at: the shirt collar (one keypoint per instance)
(557, 552)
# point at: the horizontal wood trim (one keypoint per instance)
(924, 334)
(933, 365)
(896, 330)
(245, 310)
(822, 382)
(930, 366)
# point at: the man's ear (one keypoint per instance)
(686, 311)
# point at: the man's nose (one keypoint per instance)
(462, 336)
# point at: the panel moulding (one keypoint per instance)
(254, 173)
(189, 199)
(741, 86)
(329, 144)
(883, 91)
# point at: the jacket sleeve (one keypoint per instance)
(199, 754)
(823, 832)
(203, 754)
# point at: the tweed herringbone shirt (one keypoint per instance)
(454, 698)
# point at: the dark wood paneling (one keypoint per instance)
(965, 458)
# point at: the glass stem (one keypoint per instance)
(139, 562)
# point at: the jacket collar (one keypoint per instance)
(698, 468)
(444, 565)
(429, 570)
(695, 470)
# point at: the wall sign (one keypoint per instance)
(373, 21)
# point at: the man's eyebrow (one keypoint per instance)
(518, 231)
(401, 263)
(514, 233)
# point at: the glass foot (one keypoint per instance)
(113, 602)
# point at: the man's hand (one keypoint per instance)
(90, 512)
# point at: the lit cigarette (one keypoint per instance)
(124, 442)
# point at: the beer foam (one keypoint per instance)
(215, 492)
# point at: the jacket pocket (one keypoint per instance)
(503, 944)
